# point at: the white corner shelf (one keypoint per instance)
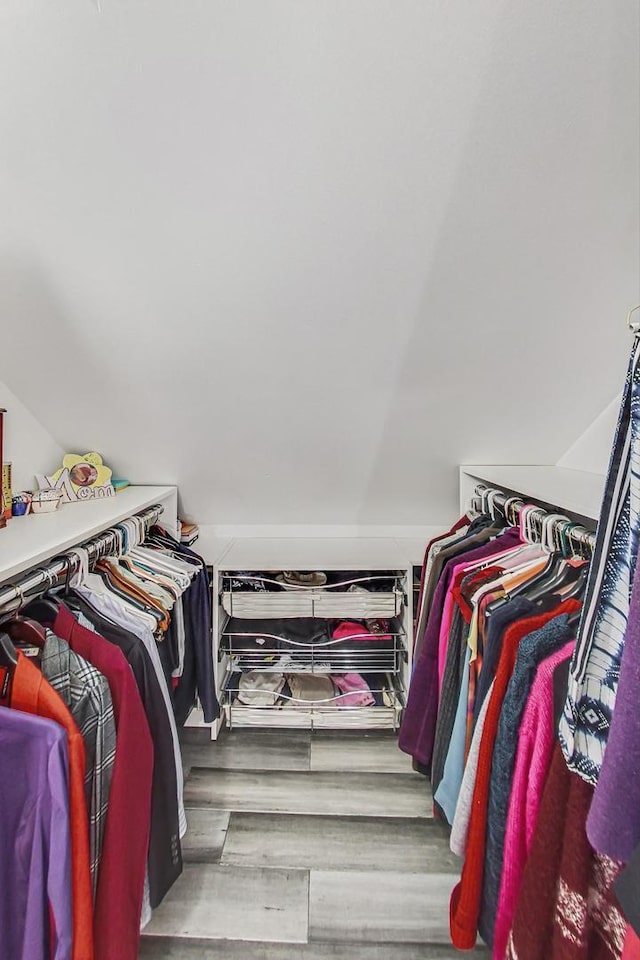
(573, 491)
(28, 541)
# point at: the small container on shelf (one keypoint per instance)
(189, 533)
(46, 501)
(21, 503)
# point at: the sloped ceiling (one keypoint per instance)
(303, 257)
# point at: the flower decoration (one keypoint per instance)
(81, 477)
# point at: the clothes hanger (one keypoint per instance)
(577, 593)
(127, 596)
(578, 587)
(634, 327)
(8, 653)
(529, 535)
(44, 608)
(510, 510)
(22, 629)
(559, 572)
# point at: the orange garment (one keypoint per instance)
(464, 907)
(31, 692)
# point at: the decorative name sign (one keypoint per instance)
(80, 478)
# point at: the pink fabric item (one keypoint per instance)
(447, 615)
(631, 946)
(445, 626)
(535, 750)
(449, 607)
(355, 689)
(349, 630)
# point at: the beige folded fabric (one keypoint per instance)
(260, 689)
(296, 578)
(310, 687)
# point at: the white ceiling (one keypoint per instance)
(303, 257)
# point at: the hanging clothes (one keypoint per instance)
(197, 678)
(35, 873)
(533, 649)
(118, 904)
(95, 698)
(536, 740)
(114, 609)
(500, 612)
(428, 581)
(627, 891)
(30, 692)
(595, 667)
(462, 816)
(165, 858)
(613, 824)
(466, 896)
(86, 693)
(631, 945)
(567, 909)
(417, 733)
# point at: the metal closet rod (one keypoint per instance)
(57, 570)
(491, 497)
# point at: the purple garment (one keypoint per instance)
(613, 824)
(35, 841)
(417, 732)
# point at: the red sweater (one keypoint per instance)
(466, 896)
(631, 946)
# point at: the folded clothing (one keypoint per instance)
(355, 690)
(268, 633)
(248, 581)
(297, 578)
(374, 581)
(352, 630)
(310, 688)
(260, 689)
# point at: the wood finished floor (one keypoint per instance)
(307, 846)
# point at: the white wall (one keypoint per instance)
(302, 259)
(29, 447)
(591, 451)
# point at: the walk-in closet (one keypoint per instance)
(319, 480)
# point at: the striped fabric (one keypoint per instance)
(86, 693)
(595, 667)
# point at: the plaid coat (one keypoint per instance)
(86, 693)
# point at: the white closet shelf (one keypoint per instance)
(574, 491)
(365, 553)
(28, 541)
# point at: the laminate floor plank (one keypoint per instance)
(227, 903)
(194, 735)
(365, 754)
(205, 836)
(306, 846)
(313, 792)
(169, 948)
(252, 750)
(380, 906)
(338, 843)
